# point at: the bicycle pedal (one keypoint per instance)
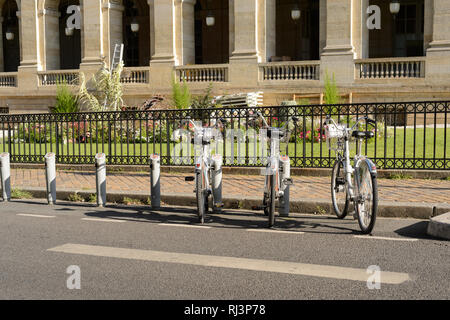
(288, 181)
(189, 179)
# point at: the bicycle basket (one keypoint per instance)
(333, 134)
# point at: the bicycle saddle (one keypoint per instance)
(363, 134)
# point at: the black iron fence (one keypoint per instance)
(407, 136)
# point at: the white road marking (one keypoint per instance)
(102, 220)
(386, 238)
(183, 225)
(34, 215)
(275, 231)
(315, 270)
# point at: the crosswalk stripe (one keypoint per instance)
(315, 270)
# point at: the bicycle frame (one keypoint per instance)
(358, 158)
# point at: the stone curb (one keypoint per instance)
(312, 206)
(439, 226)
(310, 172)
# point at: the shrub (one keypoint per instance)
(20, 194)
(331, 94)
(105, 90)
(181, 95)
(66, 101)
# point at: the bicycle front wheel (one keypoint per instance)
(202, 197)
(271, 199)
(338, 190)
(367, 205)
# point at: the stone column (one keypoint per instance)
(50, 42)
(113, 30)
(164, 57)
(1, 43)
(428, 24)
(267, 27)
(322, 25)
(243, 70)
(438, 54)
(187, 38)
(360, 30)
(93, 39)
(29, 63)
(338, 54)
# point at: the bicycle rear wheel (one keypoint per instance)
(367, 207)
(338, 190)
(202, 197)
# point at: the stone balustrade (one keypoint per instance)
(8, 79)
(135, 75)
(203, 73)
(52, 78)
(287, 70)
(408, 67)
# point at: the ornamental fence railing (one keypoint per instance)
(408, 135)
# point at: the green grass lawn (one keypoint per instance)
(424, 148)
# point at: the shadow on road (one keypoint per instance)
(417, 230)
(227, 219)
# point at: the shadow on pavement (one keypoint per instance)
(226, 219)
(417, 230)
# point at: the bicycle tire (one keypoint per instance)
(340, 210)
(367, 223)
(272, 200)
(200, 195)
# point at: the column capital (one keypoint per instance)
(49, 12)
(113, 5)
(191, 2)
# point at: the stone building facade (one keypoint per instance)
(283, 48)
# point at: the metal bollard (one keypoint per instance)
(217, 183)
(100, 177)
(155, 188)
(5, 176)
(285, 175)
(50, 176)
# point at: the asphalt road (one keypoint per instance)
(135, 253)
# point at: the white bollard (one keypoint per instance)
(5, 176)
(50, 176)
(283, 202)
(155, 187)
(100, 176)
(216, 176)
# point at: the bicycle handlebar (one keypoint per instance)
(368, 120)
(295, 119)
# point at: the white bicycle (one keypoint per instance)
(358, 183)
(274, 183)
(203, 167)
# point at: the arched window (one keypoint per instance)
(297, 33)
(136, 33)
(10, 36)
(211, 41)
(69, 38)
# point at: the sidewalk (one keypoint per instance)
(416, 192)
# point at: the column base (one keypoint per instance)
(338, 60)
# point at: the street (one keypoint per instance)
(126, 252)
